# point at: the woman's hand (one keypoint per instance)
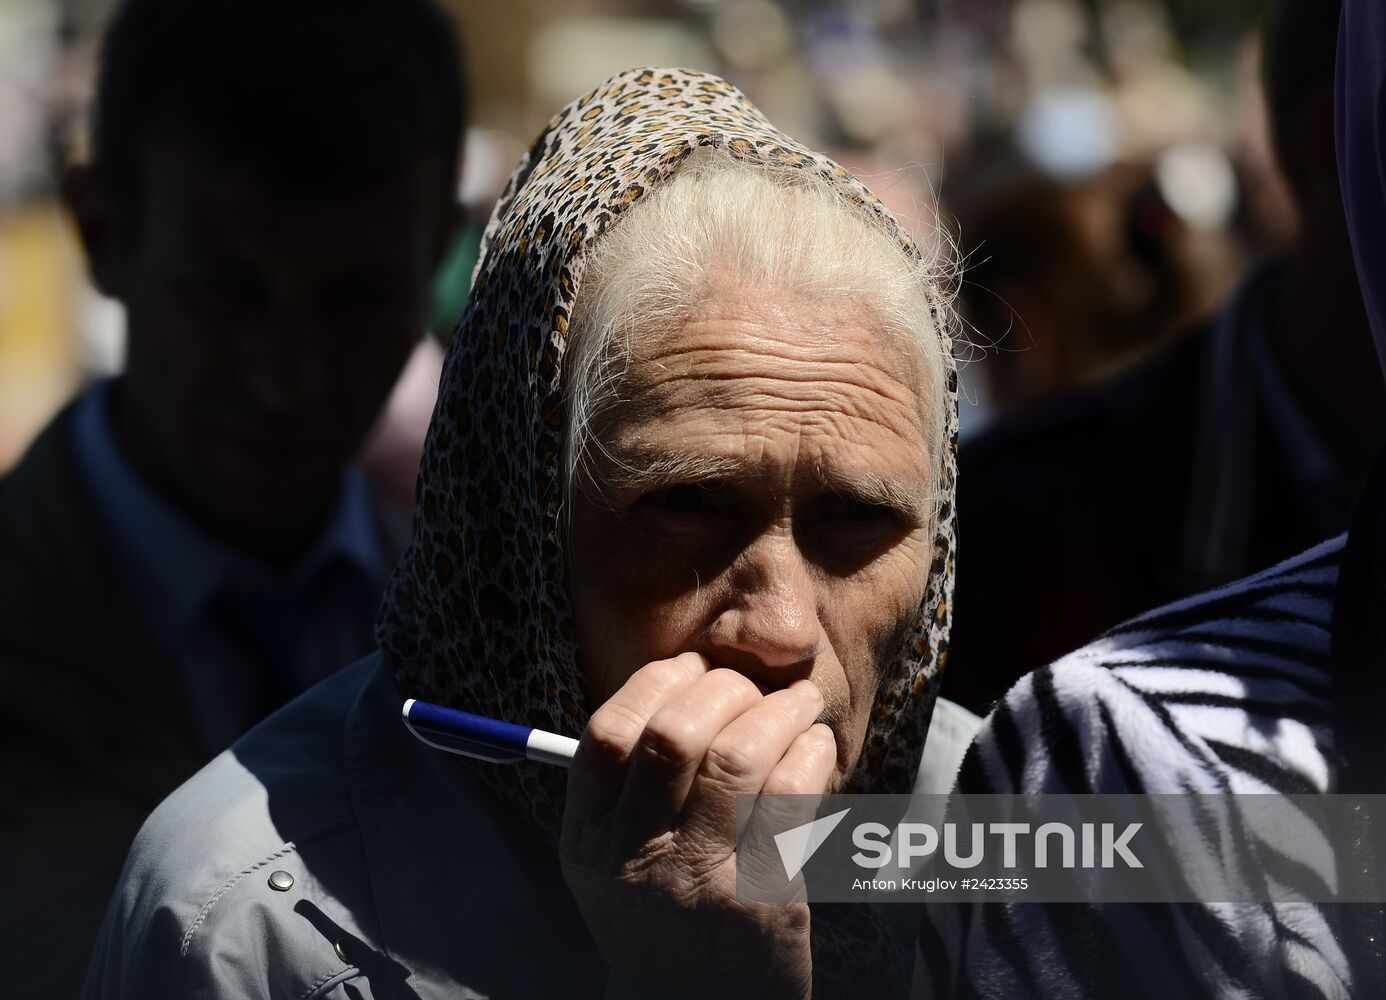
(649, 833)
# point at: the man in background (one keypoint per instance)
(1244, 443)
(188, 546)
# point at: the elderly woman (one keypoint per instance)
(687, 491)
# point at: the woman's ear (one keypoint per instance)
(101, 226)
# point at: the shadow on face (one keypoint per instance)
(265, 330)
(760, 495)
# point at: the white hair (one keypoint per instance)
(720, 218)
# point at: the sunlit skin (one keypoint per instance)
(745, 556)
(266, 329)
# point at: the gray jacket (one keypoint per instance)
(330, 854)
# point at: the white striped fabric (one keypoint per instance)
(1227, 691)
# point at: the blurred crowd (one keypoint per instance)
(1131, 135)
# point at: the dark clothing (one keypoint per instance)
(1359, 691)
(243, 638)
(1126, 496)
(1146, 710)
(95, 727)
(1223, 696)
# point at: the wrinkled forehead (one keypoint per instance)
(838, 351)
(758, 385)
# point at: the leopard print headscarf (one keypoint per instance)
(476, 613)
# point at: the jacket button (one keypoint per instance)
(282, 881)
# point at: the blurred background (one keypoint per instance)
(1112, 153)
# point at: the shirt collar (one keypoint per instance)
(174, 566)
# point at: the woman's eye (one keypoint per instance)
(860, 510)
(682, 499)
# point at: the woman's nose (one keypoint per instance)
(771, 620)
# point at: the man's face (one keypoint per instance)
(266, 332)
(762, 496)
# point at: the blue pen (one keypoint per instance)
(485, 739)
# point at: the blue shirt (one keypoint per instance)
(183, 581)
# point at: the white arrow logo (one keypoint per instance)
(796, 846)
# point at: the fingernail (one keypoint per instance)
(815, 689)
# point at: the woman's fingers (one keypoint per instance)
(806, 766)
(804, 772)
(743, 755)
(680, 740)
(598, 772)
(672, 749)
(649, 835)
